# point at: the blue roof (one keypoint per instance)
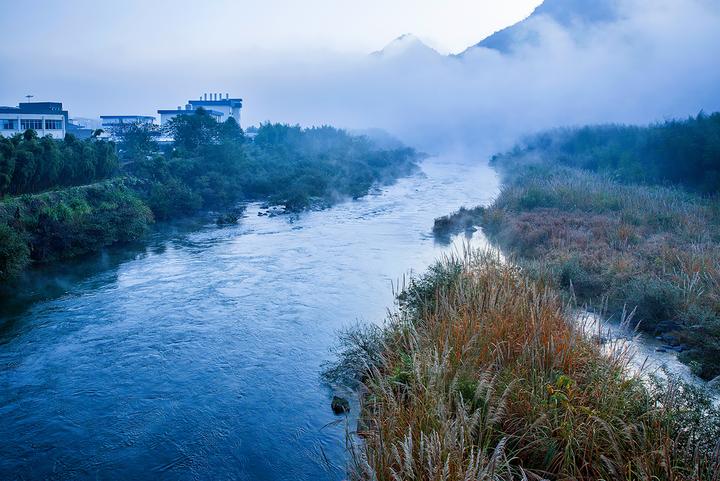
(127, 117)
(48, 108)
(231, 102)
(189, 111)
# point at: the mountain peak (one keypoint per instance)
(405, 44)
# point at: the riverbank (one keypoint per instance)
(56, 225)
(624, 219)
(481, 373)
(619, 247)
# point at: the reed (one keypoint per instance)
(480, 374)
(649, 248)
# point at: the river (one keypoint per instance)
(197, 355)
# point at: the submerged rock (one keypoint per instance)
(340, 405)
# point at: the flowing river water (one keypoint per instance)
(198, 354)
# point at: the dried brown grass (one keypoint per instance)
(481, 376)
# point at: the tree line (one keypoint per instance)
(30, 164)
(680, 152)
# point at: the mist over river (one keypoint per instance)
(198, 354)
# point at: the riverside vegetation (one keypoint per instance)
(482, 375)
(623, 218)
(483, 372)
(64, 198)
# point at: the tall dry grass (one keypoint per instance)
(480, 376)
(652, 248)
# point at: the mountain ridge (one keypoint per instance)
(566, 13)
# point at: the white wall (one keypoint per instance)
(56, 134)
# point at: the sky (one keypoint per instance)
(147, 30)
(308, 62)
(62, 48)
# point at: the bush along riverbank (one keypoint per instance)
(481, 374)
(69, 222)
(209, 166)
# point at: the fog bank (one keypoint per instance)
(656, 60)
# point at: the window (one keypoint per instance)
(34, 124)
(53, 124)
(8, 124)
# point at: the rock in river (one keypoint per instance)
(340, 405)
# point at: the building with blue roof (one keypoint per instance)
(46, 118)
(219, 107)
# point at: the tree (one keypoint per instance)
(14, 252)
(136, 140)
(7, 165)
(192, 131)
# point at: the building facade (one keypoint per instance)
(167, 115)
(46, 118)
(227, 106)
(219, 107)
(111, 121)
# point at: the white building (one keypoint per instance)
(227, 106)
(219, 107)
(110, 121)
(114, 125)
(46, 118)
(166, 115)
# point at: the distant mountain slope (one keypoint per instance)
(564, 12)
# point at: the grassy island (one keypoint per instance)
(482, 374)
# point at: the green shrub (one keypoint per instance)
(655, 300)
(14, 252)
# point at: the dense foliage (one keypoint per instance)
(481, 374)
(679, 152)
(214, 164)
(29, 164)
(69, 222)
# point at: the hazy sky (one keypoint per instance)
(307, 62)
(147, 29)
(59, 48)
